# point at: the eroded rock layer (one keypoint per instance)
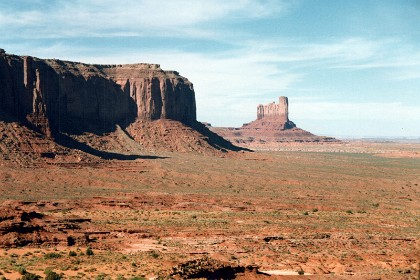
(57, 96)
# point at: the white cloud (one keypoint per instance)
(131, 18)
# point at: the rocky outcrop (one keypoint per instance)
(19, 227)
(273, 115)
(56, 96)
(272, 127)
(273, 110)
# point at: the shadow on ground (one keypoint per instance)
(67, 141)
(215, 140)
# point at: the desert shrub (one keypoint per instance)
(306, 213)
(72, 254)
(154, 254)
(51, 275)
(301, 272)
(315, 210)
(349, 212)
(30, 276)
(22, 270)
(49, 256)
(100, 277)
(89, 251)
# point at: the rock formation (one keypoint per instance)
(275, 113)
(55, 97)
(271, 127)
(273, 110)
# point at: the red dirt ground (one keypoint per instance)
(343, 210)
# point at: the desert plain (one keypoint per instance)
(345, 210)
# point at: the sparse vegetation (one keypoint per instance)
(52, 255)
(51, 275)
(72, 254)
(176, 219)
(30, 276)
(89, 251)
(154, 254)
(22, 271)
(100, 276)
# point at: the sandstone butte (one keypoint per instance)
(271, 128)
(56, 98)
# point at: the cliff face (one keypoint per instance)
(279, 111)
(60, 96)
(97, 109)
(273, 116)
(158, 94)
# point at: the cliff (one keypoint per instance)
(86, 107)
(273, 115)
(60, 96)
(279, 111)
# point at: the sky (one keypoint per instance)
(349, 67)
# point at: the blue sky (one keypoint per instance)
(349, 67)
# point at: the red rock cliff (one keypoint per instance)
(57, 96)
(278, 111)
(273, 116)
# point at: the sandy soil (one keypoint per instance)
(348, 210)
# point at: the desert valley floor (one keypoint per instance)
(348, 210)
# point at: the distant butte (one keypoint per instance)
(272, 127)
